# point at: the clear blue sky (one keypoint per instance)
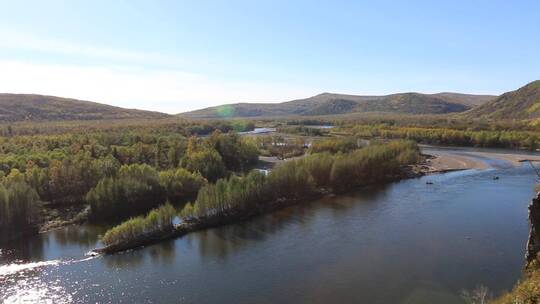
(175, 56)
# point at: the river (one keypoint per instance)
(406, 242)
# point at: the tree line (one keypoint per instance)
(19, 207)
(443, 136)
(177, 125)
(300, 178)
(335, 145)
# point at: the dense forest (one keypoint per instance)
(155, 126)
(117, 172)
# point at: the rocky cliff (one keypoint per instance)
(533, 245)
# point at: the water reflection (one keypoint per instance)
(224, 241)
(30, 249)
(158, 254)
(125, 260)
(86, 235)
(163, 253)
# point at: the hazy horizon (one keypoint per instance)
(183, 56)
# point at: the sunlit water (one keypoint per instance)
(407, 242)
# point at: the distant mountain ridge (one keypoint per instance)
(330, 103)
(523, 103)
(32, 107)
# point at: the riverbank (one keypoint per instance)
(55, 218)
(443, 160)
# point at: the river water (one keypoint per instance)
(406, 242)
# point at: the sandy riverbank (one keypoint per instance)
(442, 160)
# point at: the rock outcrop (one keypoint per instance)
(533, 245)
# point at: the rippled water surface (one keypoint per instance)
(407, 242)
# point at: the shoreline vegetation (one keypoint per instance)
(238, 198)
(447, 136)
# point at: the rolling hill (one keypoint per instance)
(523, 103)
(29, 107)
(331, 104)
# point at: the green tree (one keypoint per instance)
(207, 162)
(180, 183)
(19, 210)
(136, 188)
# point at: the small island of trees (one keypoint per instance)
(239, 197)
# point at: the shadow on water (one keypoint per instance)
(30, 249)
(165, 254)
(159, 254)
(223, 241)
(86, 235)
(125, 260)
